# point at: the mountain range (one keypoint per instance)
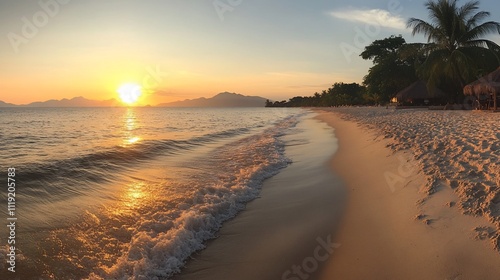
(224, 99)
(4, 104)
(74, 102)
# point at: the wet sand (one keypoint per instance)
(291, 222)
(384, 217)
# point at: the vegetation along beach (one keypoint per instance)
(250, 140)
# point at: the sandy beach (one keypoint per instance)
(294, 218)
(408, 193)
(250, 140)
(418, 200)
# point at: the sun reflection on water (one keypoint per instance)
(132, 140)
(130, 126)
(134, 195)
(132, 199)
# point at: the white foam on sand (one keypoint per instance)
(280, 232)
(160, 244)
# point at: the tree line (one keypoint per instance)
(456, 53)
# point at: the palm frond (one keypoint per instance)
(492, 45)
(481, 30)
(474, 20)
(425, 28)
(482, 43)
(483, 59)
(419, 26)
(468, 9)
(464, 65)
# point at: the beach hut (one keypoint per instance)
(486, 90)
(418, 94)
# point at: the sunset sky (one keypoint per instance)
(178, 49)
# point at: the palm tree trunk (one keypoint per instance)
(460, 78)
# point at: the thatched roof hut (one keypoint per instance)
(418, 91)
(489, 84)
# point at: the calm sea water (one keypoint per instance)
(112, 193)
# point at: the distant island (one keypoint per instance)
(4, 104)
(224, 99)
(74, 102)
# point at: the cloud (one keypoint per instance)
(374, 16)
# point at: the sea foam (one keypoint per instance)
(231, 176)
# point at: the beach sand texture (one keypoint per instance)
(405, 213)
(456, 149)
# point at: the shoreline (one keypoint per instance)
(291, 222)
(381, 219)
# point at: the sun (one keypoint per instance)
(129, 93)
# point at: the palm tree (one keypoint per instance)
(456, 49)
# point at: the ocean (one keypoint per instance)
(113, 193)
